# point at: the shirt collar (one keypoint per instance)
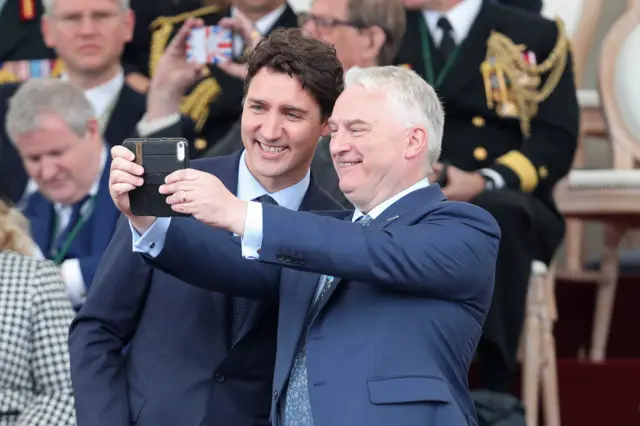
(377, 211)
(249, 188)
(100, 97)
(264, 24)
(461, 17)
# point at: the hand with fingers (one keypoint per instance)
(124, 176)
(242, 26)
(203, 196)
(461, 185)
(173, 75)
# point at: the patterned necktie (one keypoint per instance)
(297, 407)
(241, 306)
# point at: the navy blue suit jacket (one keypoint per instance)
(179, 366)
(92, 239)
(392, 343)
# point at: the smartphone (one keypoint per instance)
(212, 44)
(160, 157)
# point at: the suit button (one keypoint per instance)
(275, 395)
(219, 377)
(279, 257)
(302, 261)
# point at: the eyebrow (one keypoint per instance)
(285, 107)
(355, 121)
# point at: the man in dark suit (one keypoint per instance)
(381, 308)
(510, 136)
(214, 103)
(195, 357)
(71, 214)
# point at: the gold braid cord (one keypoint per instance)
(196, 104)
(512, 84)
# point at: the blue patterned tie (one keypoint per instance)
(297, 407)
(241, 306)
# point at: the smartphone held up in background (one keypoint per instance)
(210, 44)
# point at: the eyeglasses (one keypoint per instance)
(324, 22)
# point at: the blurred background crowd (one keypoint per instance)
(534, 126)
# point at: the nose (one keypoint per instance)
(339, 144)
(271, 128)
(87, 25)
(48, 169)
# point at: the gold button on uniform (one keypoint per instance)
(478, 121)
(480, 153)
(200, 144)
(543, 172)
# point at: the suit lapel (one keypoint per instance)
(13, 28)
(412, 48)
(393, 215)
(288, 19)
(127, 111)
(40, 213)
(470, 56)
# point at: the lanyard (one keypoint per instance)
(428, 63)
(85, 213)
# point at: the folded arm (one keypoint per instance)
(448, 253)
(103, 328)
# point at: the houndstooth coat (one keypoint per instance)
(35, 314)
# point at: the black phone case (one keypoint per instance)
(159, 157)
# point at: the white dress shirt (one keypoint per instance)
(152, 241)
(252, 240)
(461, 17)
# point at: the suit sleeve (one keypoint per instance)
(530, 5)
(451, 253)
(103, 328)
(547, 155)
(51, 315)
(212, 259)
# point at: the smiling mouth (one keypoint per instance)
(348, 163)
(271, 149)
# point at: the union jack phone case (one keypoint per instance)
(210, 45)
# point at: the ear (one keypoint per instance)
(45, 29)
(377, 38)
(417, 142)
(130, 22)
(93, 129)
(326, 130)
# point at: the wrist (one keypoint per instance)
(161, 104)
(237, 216)
(141, 223)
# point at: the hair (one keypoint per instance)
(313, 62)
(389, 15)
(48, 5)
(41, 96)
(413, 97)
(14, 231)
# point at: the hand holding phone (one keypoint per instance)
(159, 157)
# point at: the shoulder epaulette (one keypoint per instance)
(162, 20)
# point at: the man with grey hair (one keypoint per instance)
(381, 307)
(72, 217)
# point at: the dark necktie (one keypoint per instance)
(241, 306)
(447, 44)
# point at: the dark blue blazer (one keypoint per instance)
(92, 239)
(179, 367)
(392, 343)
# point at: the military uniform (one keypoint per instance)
(521, 132)
(215, 103)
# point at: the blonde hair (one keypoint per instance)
(14, 231)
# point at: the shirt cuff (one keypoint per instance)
(146, 128)
(495, 177)
(72, 276)
(151, 242)
(252, 240)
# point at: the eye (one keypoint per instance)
(257, 107)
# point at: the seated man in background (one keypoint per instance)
(506, 80)
(72, 216)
